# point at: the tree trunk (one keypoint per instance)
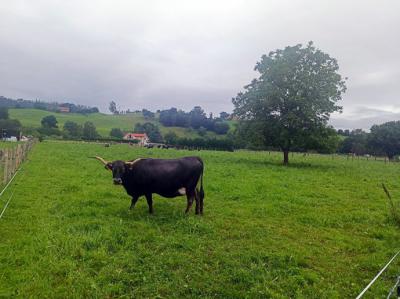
(285, 157)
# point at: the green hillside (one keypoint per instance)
(104, 122)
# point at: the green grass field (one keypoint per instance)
(31, 118)
(319, 228)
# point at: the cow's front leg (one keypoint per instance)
(149, 199)
(133, 202)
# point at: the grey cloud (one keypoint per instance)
(364, 118)
(159, 54)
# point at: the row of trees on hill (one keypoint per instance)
(196, 119)
(70, 129)
(48, 106)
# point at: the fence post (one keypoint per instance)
(5, 174)
(14, 150)
(3, 161)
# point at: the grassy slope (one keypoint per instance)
(316, 229)
(103, 122)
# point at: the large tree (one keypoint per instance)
(72, 129)
(10, 127)
(386, 138)
(49, 121)
(4, 113)
(117, 133)
(89, 131)
(113, 107)
(290, 103)
(197, 117)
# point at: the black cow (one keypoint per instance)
(166, 177)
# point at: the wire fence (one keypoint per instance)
(11, 158)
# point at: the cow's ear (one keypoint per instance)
(108, 166)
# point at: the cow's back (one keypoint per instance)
(164, 176)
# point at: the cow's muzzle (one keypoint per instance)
(117, 181)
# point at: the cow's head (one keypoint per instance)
(118, 168)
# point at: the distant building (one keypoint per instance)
(63, 109)
(143, 139)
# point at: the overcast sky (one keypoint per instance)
(162, 54)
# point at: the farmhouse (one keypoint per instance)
(63, 109)
(143, 139)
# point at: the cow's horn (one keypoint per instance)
(132, 162)
(101, 160)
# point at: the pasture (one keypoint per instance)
(319, 228)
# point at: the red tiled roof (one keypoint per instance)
(136, 135)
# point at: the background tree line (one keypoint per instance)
(70, 130)
(196, 119)
(382, 140)
(52, 106)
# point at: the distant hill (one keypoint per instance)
(31, 118)
(47, 106)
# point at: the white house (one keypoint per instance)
(143, 139)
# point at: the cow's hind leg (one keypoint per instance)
(201, 201)
(190, 197)
(133, 202)
(149, 199)
(198, 205)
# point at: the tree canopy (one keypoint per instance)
(290, 103)
(89, 131)
(196, 119)
(117, 133)
(386, 138)
(49, 121)
(356, 142)
(4, 113)
(10, 127)
(72, 130)
(113, 107)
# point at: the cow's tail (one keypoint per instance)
(201, 191)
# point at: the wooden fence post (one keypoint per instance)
(12, 162)
(3, 160)
(5, 172)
